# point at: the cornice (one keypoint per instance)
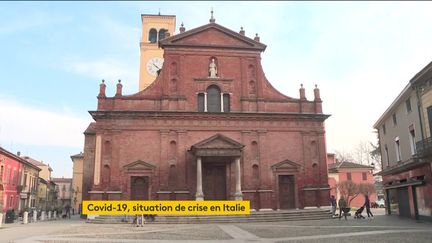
(121, 114)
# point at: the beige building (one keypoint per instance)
(44, 185)
(154, 29)
(406, 149)
(30, 181)
(64, 191)
(77, 180)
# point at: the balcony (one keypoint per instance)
(424, 148)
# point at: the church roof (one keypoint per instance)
(91, 129)
(80, 155)
(221, 37)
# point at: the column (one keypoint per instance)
(97, 164)
(238, 196)
(222, 107)
(199, 196)
(205, 101)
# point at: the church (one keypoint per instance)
(209, 126)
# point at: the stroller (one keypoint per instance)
(358, 213)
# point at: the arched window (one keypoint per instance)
(162, 34)
(213, 99)
(255, 176)
(153, 36)
(173, 150)
(254, 148)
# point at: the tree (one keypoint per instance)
(376, 153)
(342, 156)
(365, 153)
(366, 188)
(348, 190)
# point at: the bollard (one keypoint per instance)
(55, 215)
(42, 216)
(1, 219)
(25, 218)
(49, 215)
(34, 216)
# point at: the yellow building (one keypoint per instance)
(77, 180)
(154, 29)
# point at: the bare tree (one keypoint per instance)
(365, 153)
(349, 190)
(342, 156)
(366, 188)
(376, 153)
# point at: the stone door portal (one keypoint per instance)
(139, 188)
(214, 182)
(286, 192)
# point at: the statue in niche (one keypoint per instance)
(213, 69)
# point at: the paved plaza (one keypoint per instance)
(380, 229)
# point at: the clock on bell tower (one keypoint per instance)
(154, 29)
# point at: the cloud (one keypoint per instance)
(108, 69)
(29, 20)
(27, 124)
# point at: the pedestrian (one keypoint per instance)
(342, 208)
(333, 205)
(67, 209)
(139, 220)
(367, 205)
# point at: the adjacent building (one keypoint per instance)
(63, 187)
(45, 188)
(11, 170)
(349, 171)
(406, 149)
(209, 127)
(77, 180)
(30, 183)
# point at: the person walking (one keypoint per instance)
(333, 205)
(367, 206)
(342, 208)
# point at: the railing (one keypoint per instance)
(424, 147)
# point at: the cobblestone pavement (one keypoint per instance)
(380, 229)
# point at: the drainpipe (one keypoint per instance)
(420, 116)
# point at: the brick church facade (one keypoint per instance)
(210, 127)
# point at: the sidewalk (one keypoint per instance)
(18, 230)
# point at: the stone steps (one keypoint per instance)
(270, 216)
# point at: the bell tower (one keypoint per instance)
(154, 29)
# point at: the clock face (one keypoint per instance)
(154, 65)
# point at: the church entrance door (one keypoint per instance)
(286, 192)
(139, 188)
(214, 181)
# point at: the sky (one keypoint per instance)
(54, 55)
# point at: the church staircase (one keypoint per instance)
(265, 216)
